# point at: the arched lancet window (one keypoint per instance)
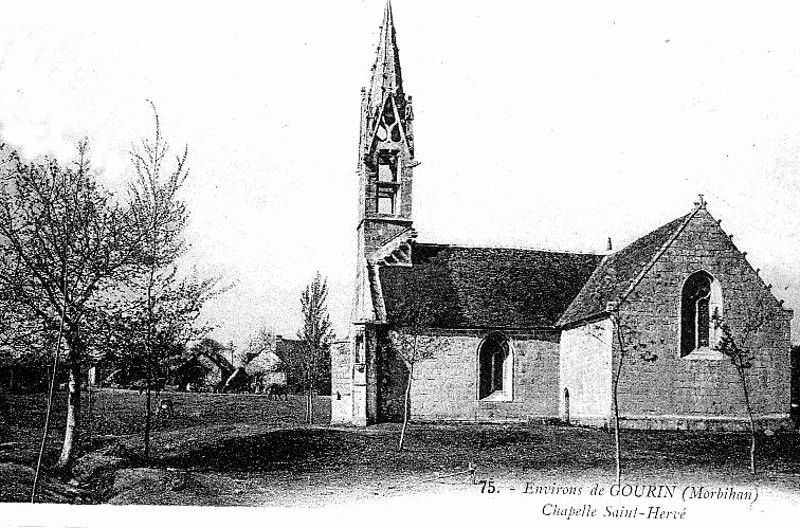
(494, 368)
(701, 309)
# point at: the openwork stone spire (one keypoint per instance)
(386, 75)
(385, 170)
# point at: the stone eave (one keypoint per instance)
(395, 252)
(469, 328)
(386, 219)
(583, 321)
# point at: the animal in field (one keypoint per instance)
(139, 385)
(274, 391)
(166, 408)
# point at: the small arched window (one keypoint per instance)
(701, 311)
(494, 368)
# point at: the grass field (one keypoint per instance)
(247, 450)
(120, 413)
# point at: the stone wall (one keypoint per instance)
(371, 235)
(702, 390)
(341, 383)
(445, 385)
(392, 379)
(586, 373)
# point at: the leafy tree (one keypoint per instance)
(316, 336)
(25, 351)
(62, 238)
(192, 372)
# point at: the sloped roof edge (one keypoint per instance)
(609, 284)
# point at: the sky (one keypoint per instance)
(551, 125)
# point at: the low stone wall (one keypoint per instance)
(689, 423)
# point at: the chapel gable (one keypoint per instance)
(688, 260)
(666, 296)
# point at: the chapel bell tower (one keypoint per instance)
(385, 170)
(385, 173)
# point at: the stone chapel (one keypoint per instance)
(526, 335)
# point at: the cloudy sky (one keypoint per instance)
(548, 125)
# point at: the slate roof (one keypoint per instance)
(617, 273)
(488, 287)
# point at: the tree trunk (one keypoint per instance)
(147, 420)
(309, 404)
(752, 446)
(405, 407)
(148, 347)
(615, 396)
(89, 414)
(618, 451)
(71, 434)
(743, 377)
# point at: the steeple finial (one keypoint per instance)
(386, 75)
(701, 201)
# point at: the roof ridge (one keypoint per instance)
(660, 253)
(539, 250)
(620, 273)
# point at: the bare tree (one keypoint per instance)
(62, 238)
(316, 336)
(630, 345)
(256, 355)
(737, 346)
(164, 306)
(412, 316)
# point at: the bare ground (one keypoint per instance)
(229, 450)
